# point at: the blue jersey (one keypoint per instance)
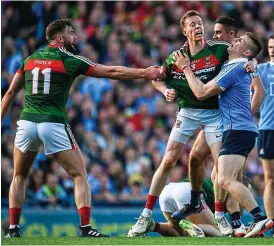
(266, 71)
(235, 100)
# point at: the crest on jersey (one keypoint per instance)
(178, 123)
(207, 60)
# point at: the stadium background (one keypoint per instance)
(121, 126)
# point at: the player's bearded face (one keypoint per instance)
(69, 38)
(194, 28)
(69, 45)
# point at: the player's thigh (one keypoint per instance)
(229, 166)
(72, 161)
(185, 125)
(265, 144)
(200, 149)
(174, 150)
(23, 162)
(212, 123)
(56, 137)
(215, 151)
(26, 138)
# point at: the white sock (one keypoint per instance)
(219, 214)
(13, 226)
(147, 212)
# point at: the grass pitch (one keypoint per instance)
(136, 241)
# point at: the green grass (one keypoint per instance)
(135, 241)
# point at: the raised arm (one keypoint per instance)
(200, 90)
(258, 96)
(161, 87)
(120, 72)
(16, 85)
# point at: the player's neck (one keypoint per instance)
(55, 44)
(195, 46)
(232, 57)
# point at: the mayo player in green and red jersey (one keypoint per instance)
(207, 58)
(47, 76)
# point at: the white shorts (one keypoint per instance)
(189, 120)
(175, 196)
(55, 137)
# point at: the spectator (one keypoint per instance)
(51, 194)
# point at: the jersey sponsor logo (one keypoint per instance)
(203, 65)
(55, 65)
(47, 53)
(261, 151)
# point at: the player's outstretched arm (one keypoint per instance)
(120, 72)
(16, 85)
(161, 87)
(258, 96)
(200, 90)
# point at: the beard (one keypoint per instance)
(69, 47)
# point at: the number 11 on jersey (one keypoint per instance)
(46, 72)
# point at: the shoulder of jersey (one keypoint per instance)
(82, 58)
(213, 43)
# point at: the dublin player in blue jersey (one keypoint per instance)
(233, 85)
(266, 129)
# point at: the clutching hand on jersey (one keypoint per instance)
(181, 60)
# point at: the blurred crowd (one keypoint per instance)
(122, 127)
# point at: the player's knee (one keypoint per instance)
(168, 163)
(269, 181)
(76, 174)
(19, 178)
(195, 158)
(224, 182)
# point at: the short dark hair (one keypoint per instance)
(56, 26)
(256, 45)
(188, 14)
(229, 23)
(271, 37)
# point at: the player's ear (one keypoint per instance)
(231, 35)
(59, 39)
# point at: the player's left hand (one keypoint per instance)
(181, 60)
(249, 67)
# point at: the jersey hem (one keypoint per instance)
(39, 118)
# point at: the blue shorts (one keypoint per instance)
(265, 144)
(237, 142)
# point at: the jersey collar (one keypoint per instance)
(187, 45)
(238, 60)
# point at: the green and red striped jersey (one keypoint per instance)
(206, 64)
(49, 74)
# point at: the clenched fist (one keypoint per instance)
(170, 95)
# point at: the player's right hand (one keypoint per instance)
(153, 73)
(170, 95)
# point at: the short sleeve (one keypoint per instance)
(20, 70)
(225, 78)
(86, 66)
(77, 65)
